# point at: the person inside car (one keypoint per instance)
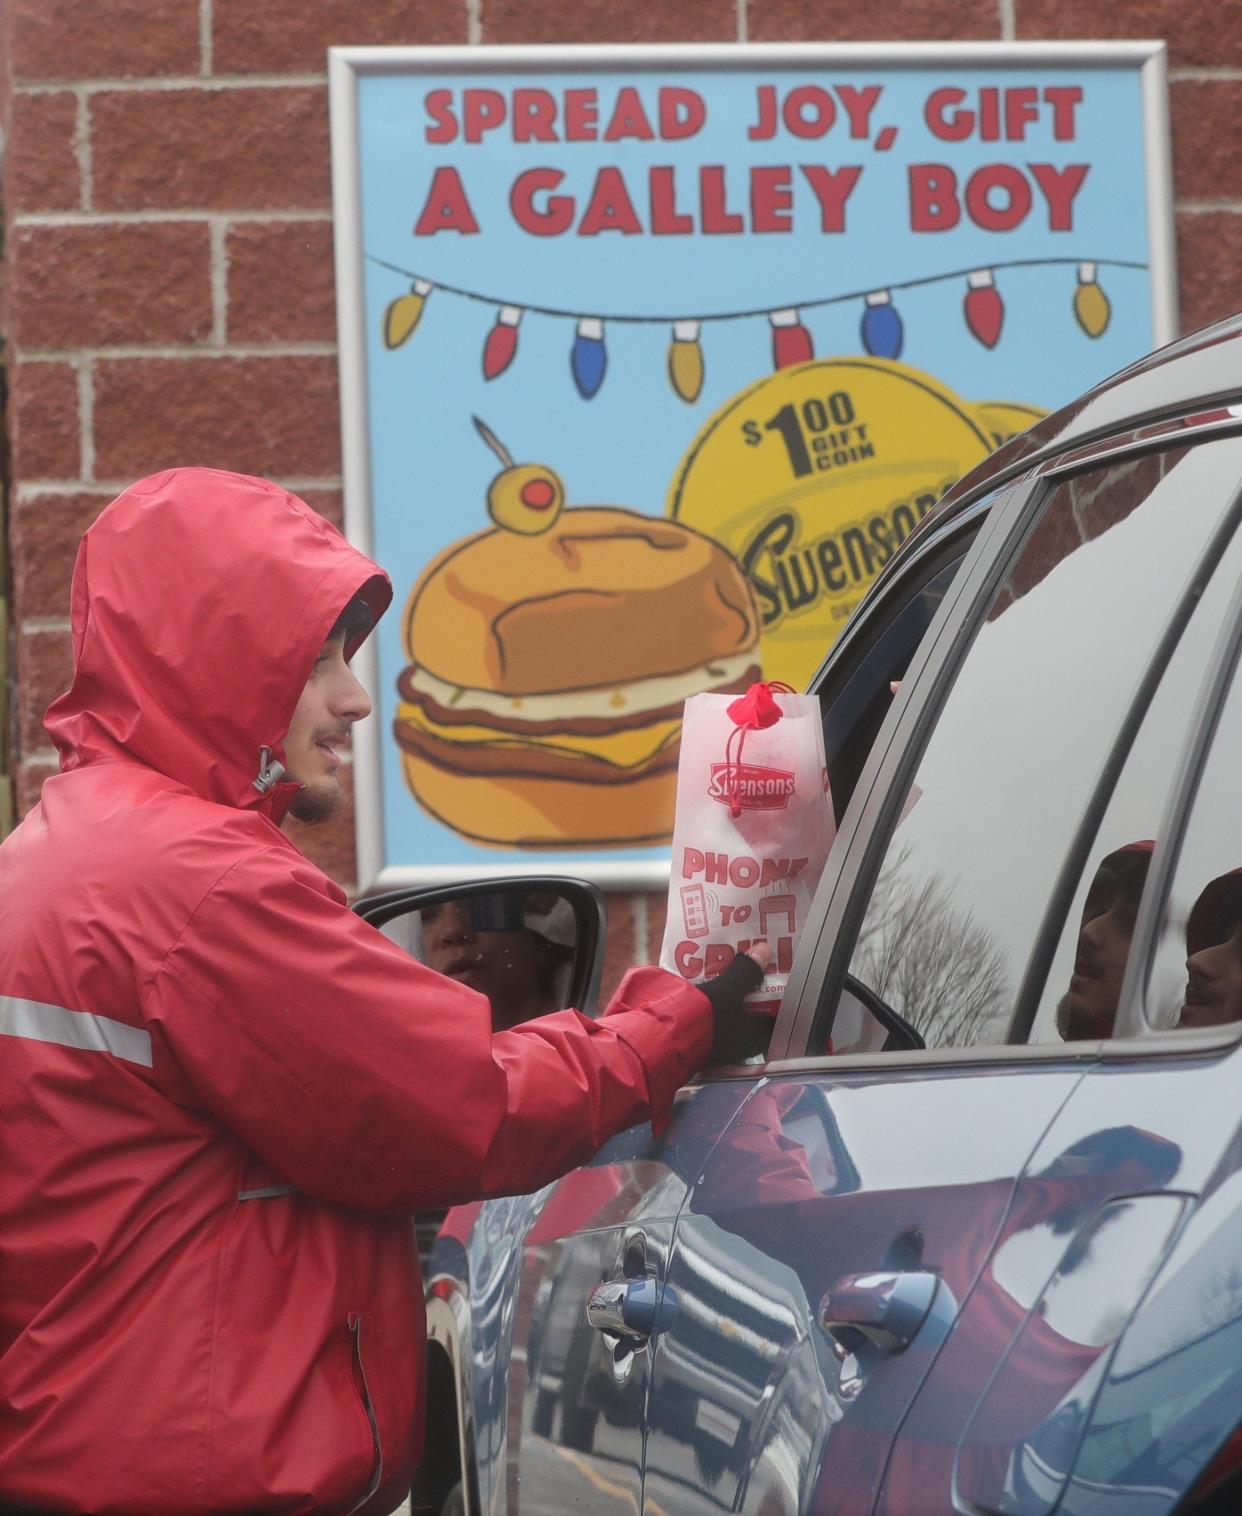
(1088, 1008)
(1214, 955)
(222, 1092)
(519, 965)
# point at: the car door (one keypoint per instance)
(574, 1387)
(851, 1206)
(1141, 1166)
(590, 1269)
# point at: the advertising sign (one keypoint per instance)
(651, 359)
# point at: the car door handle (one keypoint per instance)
(626, 1307)
(885, 1310)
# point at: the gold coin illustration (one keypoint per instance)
(812, 478)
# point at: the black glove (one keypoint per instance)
(740, 1034)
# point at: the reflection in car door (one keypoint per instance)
(1144, 1155)
(816, 1270)
(575, 1392)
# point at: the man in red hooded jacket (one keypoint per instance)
(221, 1092)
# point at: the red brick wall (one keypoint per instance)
(168, 294)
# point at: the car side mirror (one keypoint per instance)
(532, 944)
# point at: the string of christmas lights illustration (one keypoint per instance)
(881, 330)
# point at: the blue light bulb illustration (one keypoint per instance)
(882, 331)
(588, 359)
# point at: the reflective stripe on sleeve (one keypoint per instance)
(269, 1192)
(73, 1029)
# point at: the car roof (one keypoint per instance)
(1199, 371)
(1202, 369)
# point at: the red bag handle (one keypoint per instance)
(751, 712)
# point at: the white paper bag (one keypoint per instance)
(753, 827)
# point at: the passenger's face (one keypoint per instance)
(1090, 1005)
(1214, 983)
(504, 966)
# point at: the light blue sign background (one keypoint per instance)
(429, 469)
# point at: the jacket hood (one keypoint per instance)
(200, 601)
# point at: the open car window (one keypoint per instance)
(856, 692)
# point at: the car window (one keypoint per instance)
(1080, 995)
(856, 695)
(1020, 742)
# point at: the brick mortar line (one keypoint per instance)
(474, 22)
(158, 353)
(1008, 24)
(34, 626)
(218, 83)
(33, 489)
(1205, 207)
(1207, 71)
(205, 54)
(86, 417)
(82, 152)
(218, 271)
(154, 218)
(743, 21)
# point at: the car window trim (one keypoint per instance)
(933, 546)
(1155, 437)
(938, 553)
(1214, 690)
(872, 810)
(1073, 863)
(1157, 1046)
(931, 1058)
(1191, 418)
(847, 680)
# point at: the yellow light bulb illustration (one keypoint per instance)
(685, 361)
(404, 313)
(525, 498)
(1091, 305)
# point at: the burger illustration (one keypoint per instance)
(550, 658)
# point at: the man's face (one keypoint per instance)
(328, 706)
(1090, 1005)
(1214, 983)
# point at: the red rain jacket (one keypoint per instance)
(221, 1092)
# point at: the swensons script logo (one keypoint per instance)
(752, 787)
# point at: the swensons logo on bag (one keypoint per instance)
(752, 787)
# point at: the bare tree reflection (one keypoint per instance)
(931, 961)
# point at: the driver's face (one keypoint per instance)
(1090, 1004)
(504, 966)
